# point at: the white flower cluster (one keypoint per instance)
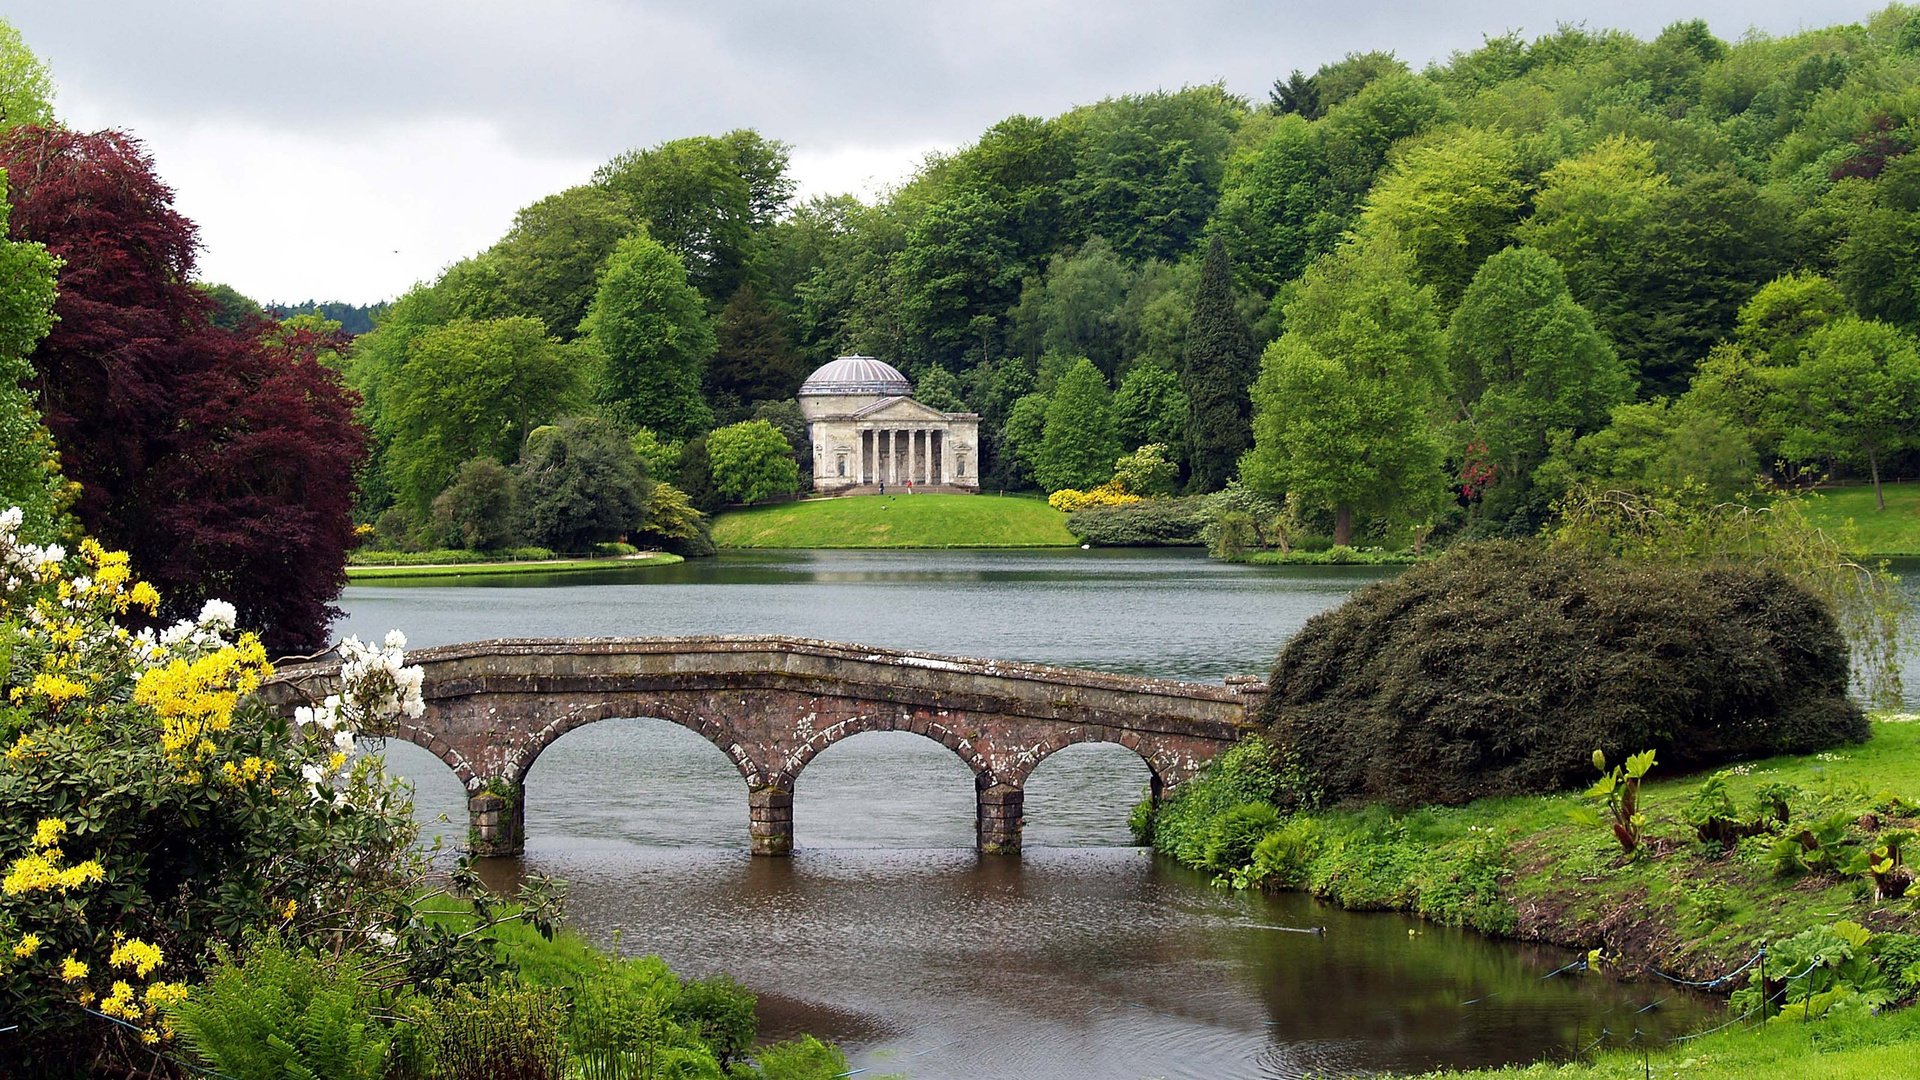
(22, 563)
(375, 685)
(189, 638)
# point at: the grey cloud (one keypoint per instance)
(591, 77)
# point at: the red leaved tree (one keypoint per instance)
(222, 460)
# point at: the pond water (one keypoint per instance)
(1084, 957)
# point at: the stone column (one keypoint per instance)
(1000, 809)
(913, 456)
(937, 442)
(770, 820)
(497, 824)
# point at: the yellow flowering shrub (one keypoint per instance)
(152, 805)
(1070, 501)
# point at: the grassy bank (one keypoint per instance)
(1523, 867)
(496, 569)
(1886, 533)
(1529, 868)
(896, 521)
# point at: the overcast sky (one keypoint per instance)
(346, 149)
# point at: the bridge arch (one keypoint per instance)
(945, 733)
(426, 739)
(1162, 770)
(714, 729)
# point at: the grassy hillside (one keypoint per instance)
(896, 521)
(1893, 531)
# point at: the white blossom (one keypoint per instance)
(218, 615)
(343, 741)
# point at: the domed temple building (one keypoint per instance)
(868, 432)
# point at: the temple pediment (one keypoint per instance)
(899, 410)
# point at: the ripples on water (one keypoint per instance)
(1084, 958)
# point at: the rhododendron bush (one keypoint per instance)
(151, 805)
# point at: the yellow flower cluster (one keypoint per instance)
(18, 751)
(194, 698)
(56, 689)
(136, 954)
(40, 870)
(120, 1002)
(246, 771)
(29, 944)
(72, 970)
(1068, 500)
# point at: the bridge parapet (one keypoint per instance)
(773, 703)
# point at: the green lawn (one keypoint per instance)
(1893, 531)
(897, 521)
(495, 569)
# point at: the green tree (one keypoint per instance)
(1786, 310)
(28, 477)
(651, 330)
(1658, 446)
(550, 259)
(1077, 446)
(661, 457)
(1348, 396)
(1277, 208)
(791, 423)
(752, 461)
(1453, 199)
(1359, 132)
(1150, 407)
(1877, 260)
(1216, 373)
(1020, 437)
(939, 389)
(754, 359)
(477, 510)
(1526, 362)
(1148, 167)
(1146, 471)
(579, 484)
(1854, 397)
(26, 89)
(232, 309)
(472, 388)
(703, 198)
(1077, 307)
(958, 272)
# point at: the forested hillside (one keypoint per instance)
(1409, 300)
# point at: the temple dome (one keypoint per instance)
(851, 375)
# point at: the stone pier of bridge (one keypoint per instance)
(774, 703)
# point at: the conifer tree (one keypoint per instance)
(1219, 368)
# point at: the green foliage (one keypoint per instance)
(1146, 471)
(1346, 403)
(1147, 168)
(1165, 522)
(1451, 200)
(1682, 527)
(650, 328)
(1853, 396)
(471, 389)
(1182, 826)
(1618, 791)
(29, 469)
(1498, 667)
(1232, 836)
(1077, 444)
(660, 457)
(1814, 972)
(579, 484)
(477, 510)
(752, 461)
(279, 1014)
(674, 524)
(805, 1058)
(1150, 407)
(1276, 207)
(1656, 446)
(938, 389)
(1218, 367)
(754, 358)
(1021, 436)
(1527, 365)
(26, 88)
(1283, 857)
(497, 1031)
(549, 262)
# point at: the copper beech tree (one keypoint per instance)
(222, 460)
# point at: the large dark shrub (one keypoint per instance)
(1499, 668)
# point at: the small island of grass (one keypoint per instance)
(401, 569)
(896, 521)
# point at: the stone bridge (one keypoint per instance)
(774, 703)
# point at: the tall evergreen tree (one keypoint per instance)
(755, 360)
(1219, 368)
